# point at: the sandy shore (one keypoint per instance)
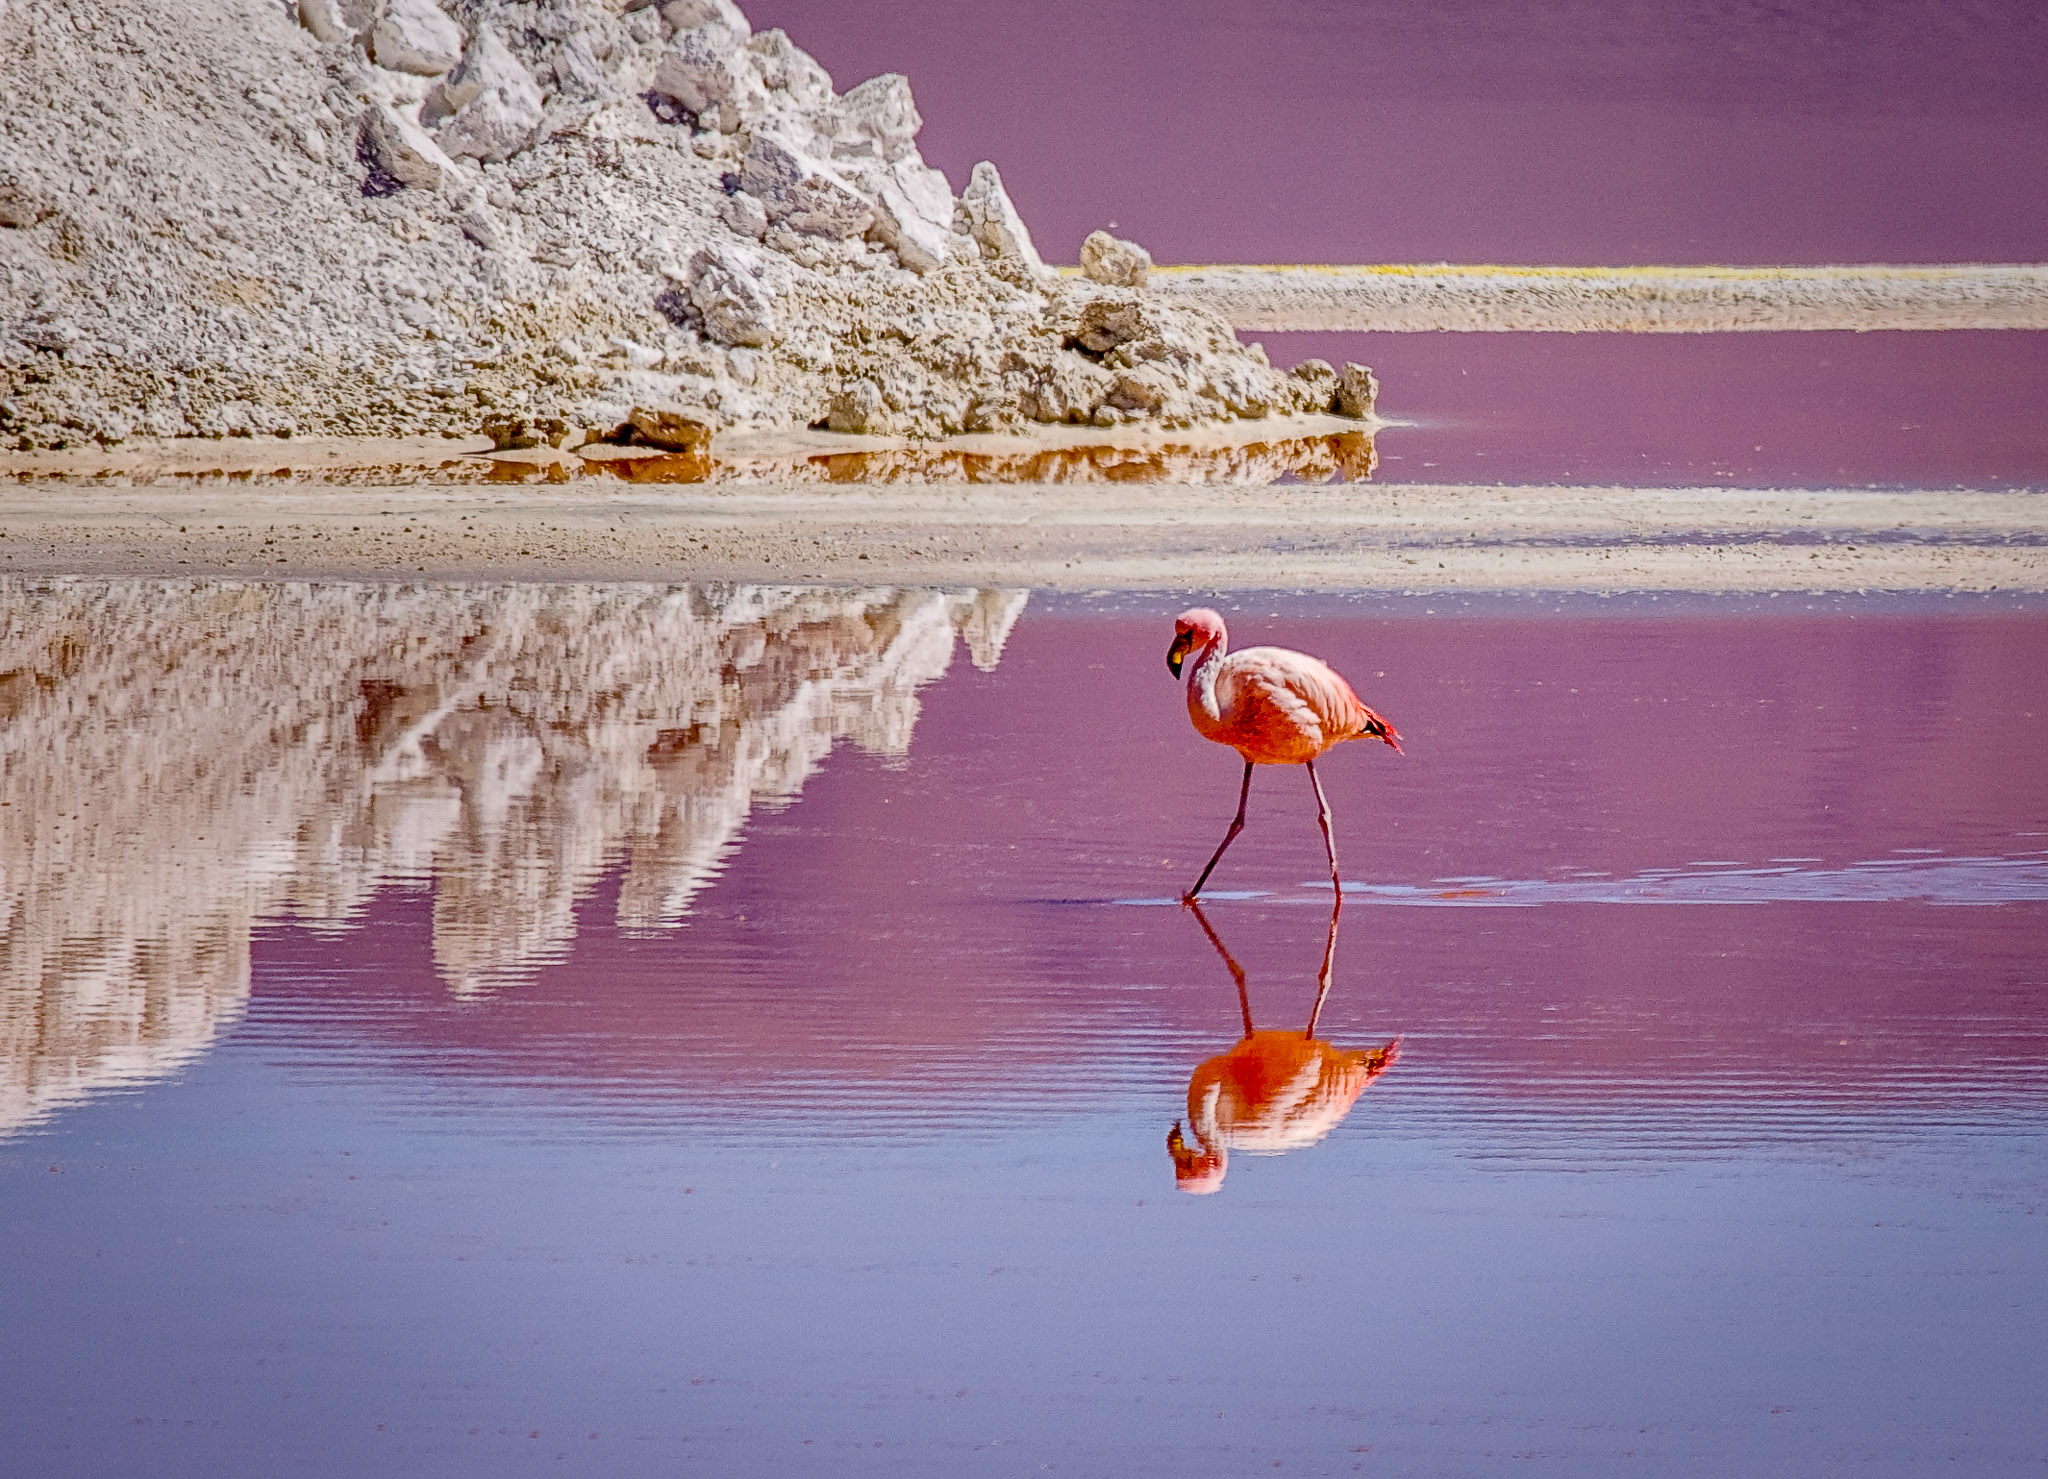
(1353, 536)
(1671, 300)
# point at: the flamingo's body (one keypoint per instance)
(1272, 1092)
(1273, 705)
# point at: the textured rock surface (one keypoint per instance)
(397, 154)
(993, 223)
(1110, 259)
(682, 428)
(727, 294)
(490, 102)
(415, 36)
(1358, 389)
(224, 217)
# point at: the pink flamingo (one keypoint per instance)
(1274, 706)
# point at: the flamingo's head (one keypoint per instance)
(1195, 630)
(1197, 1169)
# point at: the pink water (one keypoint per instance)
(1712, 936)
(1567, 132)
(1560, 131)
(1793, 410)
(622, 1030)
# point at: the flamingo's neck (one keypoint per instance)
(1202, 705)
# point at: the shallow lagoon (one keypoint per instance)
(498, 1029)
(487, 1029)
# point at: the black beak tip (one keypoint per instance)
(1173, 663)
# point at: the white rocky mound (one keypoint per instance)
(546, 219)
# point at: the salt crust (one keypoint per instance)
(215, 222)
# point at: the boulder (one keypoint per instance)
(708, 72)
(744, 214)
(994, 224)
(481, 224)
(22, 205)
(1144, 389)
(579, 75)
(688, 15)
(860, 409)
(724, 289)
(1108, 322)
(488, 108)
(337, 20)
(673, 425)
(516, 432)
(1241, 386)
(1112, 261)
(913, 212)
(878, 119)
(1319, 381)
(803, 193)
(1069, 389)
(400, 151)
(415, 36)
(787, 68)
(1357, 392)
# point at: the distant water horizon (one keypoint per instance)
(1566, 132)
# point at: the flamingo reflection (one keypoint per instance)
(1273, 1091)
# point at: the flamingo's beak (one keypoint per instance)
(1182, 641)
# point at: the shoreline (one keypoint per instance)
(729, 457)
(1637, 300)
(1362, 537)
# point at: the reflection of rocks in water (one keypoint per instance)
(1346, 457)
(183, 759)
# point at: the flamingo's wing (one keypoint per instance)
(1301, 1105)
(1286, 705)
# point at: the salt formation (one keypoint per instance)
(229, 217)
(182, 759)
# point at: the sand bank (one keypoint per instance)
(1654, 300)
(1341, 536)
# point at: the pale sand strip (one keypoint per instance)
(1652, 300)
(1362, 537)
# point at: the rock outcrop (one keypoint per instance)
(1112, 260)
(219, 217)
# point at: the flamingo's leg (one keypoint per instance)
(1323, 816)
(1236, 826)
(1244, 1001)
(1329, 960)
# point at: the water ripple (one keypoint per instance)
(1976, 881)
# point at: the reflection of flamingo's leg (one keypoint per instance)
(1323, 816)
(1236, 826)
(1244, 1001)
(1329, 960)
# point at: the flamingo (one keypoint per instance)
(1273, 1091)
(1274, 706)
